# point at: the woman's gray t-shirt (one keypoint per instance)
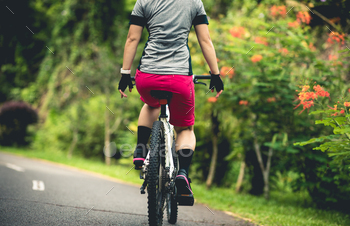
(168, 23)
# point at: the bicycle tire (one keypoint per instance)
(156, 197)
(172, 208)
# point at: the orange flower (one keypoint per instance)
(227, 71)
(282, 10)
(271, 99)
(349, 90)
(284, 51)
(303, 17)
(305, 88)
(312, 47)
(293, 24)
(237, 32)
(307, 98)
(337, 37)
(337, 113)
(335, 107)
(217, 60)
(261, 40)
(274, 10)
(212, 99)
(320, 92)
(306, 105)
(347, 104)
(256, 58)
(243, 102)
(317, 88)
(332, 57)
(278, 10)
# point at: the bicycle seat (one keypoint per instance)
(163, 96)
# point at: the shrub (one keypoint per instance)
(14, 119)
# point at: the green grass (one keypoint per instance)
(281, 209)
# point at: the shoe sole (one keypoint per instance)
(138, 162)
(184, 194)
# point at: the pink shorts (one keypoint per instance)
(181, 105)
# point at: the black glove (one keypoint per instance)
(216, 82)
(124, 82)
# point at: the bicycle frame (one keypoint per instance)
(168, 135)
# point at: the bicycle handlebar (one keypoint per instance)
(201, 77)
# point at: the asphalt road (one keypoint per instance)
(35, 192)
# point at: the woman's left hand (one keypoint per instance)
(123, 83)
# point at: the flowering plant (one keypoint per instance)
(336, 145)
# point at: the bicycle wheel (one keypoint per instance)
(171, 201)
(171, 208)
(156, 194)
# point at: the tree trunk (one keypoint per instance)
(240, 177)
(265, 171)
(213, 162)
(107, 130)
(215, 129)
(73, 144)
(267, 175)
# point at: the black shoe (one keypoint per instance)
(184, 194)
(140, 154)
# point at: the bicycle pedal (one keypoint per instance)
(185, 199)
(138, 167)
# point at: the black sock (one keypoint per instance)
(185, 158)
(143, 134)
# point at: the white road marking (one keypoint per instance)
(38, 185)
(14, 167)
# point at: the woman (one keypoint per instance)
(166, 65)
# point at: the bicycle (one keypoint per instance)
(161, 165)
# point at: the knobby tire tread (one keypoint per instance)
(153, 172)
(172, 216)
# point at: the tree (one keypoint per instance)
(87, 40)
(21, 51)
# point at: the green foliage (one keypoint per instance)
(265, 85)
(21, 52)
(259, 95)
(57, 132)
(335, 145)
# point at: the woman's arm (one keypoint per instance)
(131, 43)
(130, 48)
(208, 51)
(207, 47)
